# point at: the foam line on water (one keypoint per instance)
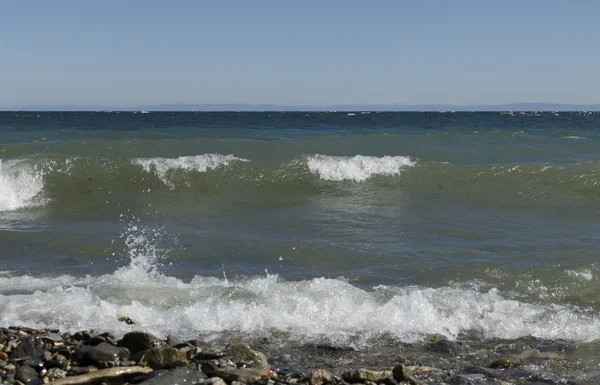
(309, 310)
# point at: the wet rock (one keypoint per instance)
(445, 346)
(146, 376)
(26, 374)
(35, 363)
(139, 341)
(55, 374)
(126, 320)
(243, 354)
(3, 356)
(176, 376)
(214, 381)
(112, 375)
(469, 379)
(54, 337)
(82, 336)
(234, 374)
(508, 362)
(160, 358)
(548, 378)
(58, 362)
(489, 373)
(320, 377)
(107, 352)
(78, 370)
(30, 346)
(362, 375)
(399, 373)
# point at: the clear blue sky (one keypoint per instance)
(124, 53)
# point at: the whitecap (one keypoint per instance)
(357, 168)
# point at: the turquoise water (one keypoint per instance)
(365, 211)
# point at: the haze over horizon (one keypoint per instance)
(298, 54)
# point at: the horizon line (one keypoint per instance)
(269, 107)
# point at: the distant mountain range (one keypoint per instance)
(337, 107)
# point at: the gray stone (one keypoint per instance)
(243, 353)
(160, 358)
(177, 376)
(139, 341)
(233, 374)
(215, 381)
(447, 347)
(54, 337)
(30, 346)
(362, 375)
(107, 352)
(112, 375)
(26, 373)
(469, 379)
(55, 374)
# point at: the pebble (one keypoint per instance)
(32, 357)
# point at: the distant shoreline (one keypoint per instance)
(512, 107)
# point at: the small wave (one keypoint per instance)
(21, 185)
(163, 167)
(584, 274)
(574, 137)
(357, 168)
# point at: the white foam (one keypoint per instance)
(583, 274)
(357, 168)
(309, 310)
(164, 167)
(21, 185)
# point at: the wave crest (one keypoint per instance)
(21, 185)
(164, 167)
(357, 168)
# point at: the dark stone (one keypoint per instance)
(30, 346)
(95, 340)
(35, 363)
(176, 376)
(125, 319)
(55, 364)
(138, 341)
(147, 376)
(82, 336)
(26, 373)
(445, 346)
(82, 355)
(107, 352)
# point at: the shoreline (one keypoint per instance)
(31, 356)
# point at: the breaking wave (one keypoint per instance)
(20, 185)
(163, 168)
(357, 168)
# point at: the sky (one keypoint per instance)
(305, 53)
